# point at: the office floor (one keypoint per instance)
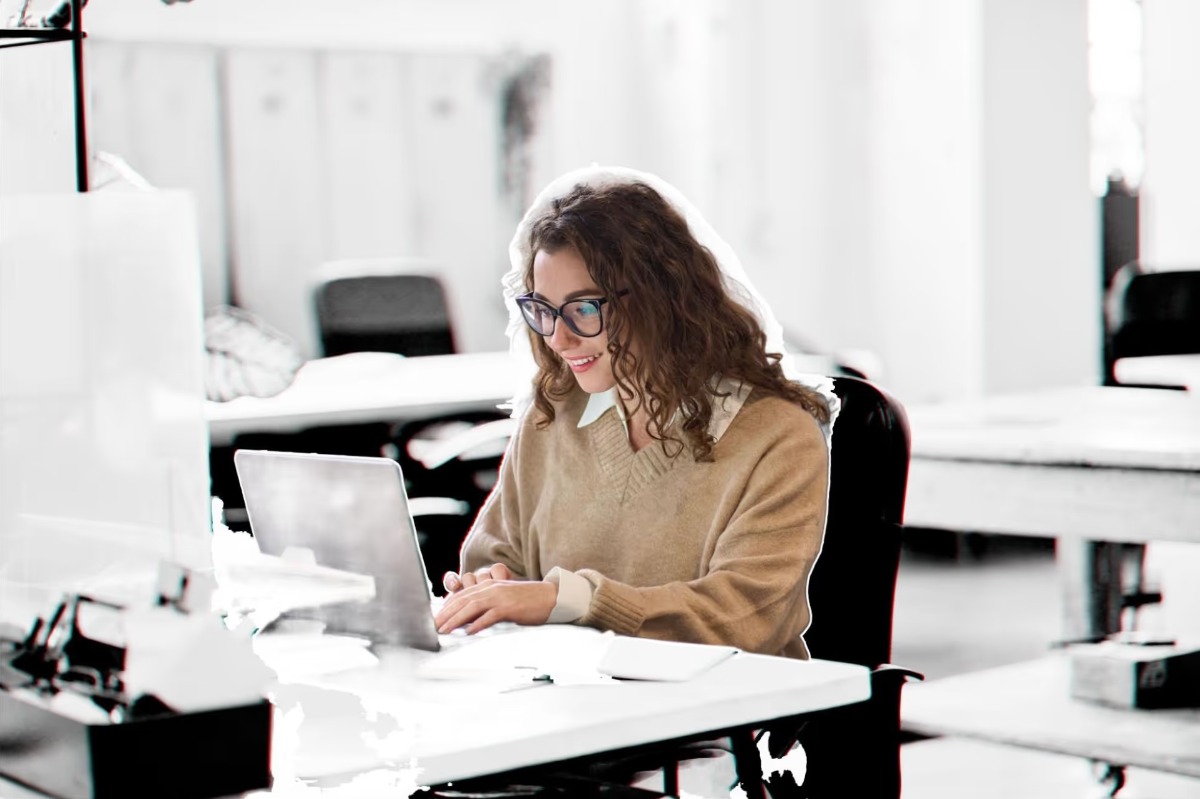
(968, 603)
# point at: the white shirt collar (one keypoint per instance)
(597, 404)
(724, 408)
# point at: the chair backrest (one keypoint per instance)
(1153, 313)
(404, 313)
(853, 585)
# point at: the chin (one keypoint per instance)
(592, 385)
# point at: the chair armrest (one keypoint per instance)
(899, 673)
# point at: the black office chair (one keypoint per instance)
(401, 313)
(855, 751)
(1151, 313)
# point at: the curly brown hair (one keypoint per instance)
(666, 294)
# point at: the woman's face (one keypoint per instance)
(558, 278)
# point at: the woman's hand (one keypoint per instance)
(454, 582)
(483, 604)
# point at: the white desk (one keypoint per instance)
(1114, 464)
(370, 387)
(1083, 464)
(1029, 704)
(380, 386)
(450, 732)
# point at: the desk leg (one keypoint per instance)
(1090, 576)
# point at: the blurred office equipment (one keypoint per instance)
(383, 305)
(102, 431)
(245, 357)
(1153, 315)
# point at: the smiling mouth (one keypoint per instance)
(578, 362)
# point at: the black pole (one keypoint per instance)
(81, 153)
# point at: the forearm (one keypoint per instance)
(721, 608)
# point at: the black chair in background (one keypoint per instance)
(382, 305)
(1151, 313)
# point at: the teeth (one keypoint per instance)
(581, 361)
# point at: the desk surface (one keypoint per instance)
(385, 718)
(381, 386)
(1029, 705)
(1084, 426)
(1104, 463)
(370, 387)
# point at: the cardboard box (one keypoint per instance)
(199, 755)
(1135, 676)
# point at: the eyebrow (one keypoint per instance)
(574, 295)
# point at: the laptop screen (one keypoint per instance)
(352, 513)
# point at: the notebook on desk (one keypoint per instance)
(352, 513)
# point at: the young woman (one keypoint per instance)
(669, 477)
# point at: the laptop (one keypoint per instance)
(352, 513)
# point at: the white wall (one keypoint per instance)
(37, 133)
(904, 177)
(1042, 274)
(912, 179)
(1170, 191)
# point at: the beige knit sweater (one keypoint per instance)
(715, 552)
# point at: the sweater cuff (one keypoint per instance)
(574, 596)
(614, 606)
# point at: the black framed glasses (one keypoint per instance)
(584, 317)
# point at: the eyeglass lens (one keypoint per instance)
(582, 316)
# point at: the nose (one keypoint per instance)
(562, 338)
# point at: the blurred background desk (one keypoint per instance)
(1092, 467)
(1029, 705)
(1089, 464)
(369, 387)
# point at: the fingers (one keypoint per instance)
(458, 611)
(451, 582)
(484, 604)
(468, 607)
(497, 571)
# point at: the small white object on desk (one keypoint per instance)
(1160, 370)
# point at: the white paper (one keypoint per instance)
(649, 659)
(566, 653)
